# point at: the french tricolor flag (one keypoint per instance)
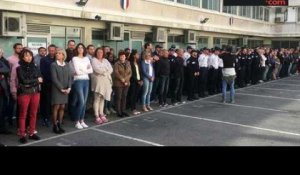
(124, 4)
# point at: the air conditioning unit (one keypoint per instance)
(279, 19)
(13, 24)
(160, 35)
(116, 31)
(190, 37)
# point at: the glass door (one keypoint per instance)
(34, 42)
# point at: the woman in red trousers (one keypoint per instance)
(28, 91)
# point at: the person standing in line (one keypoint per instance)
(136, 81)
(4, 92)
(29, 79)
(177, 75)
(121, 83)
(70, 50)
(101, 84)
(42, 52)
(148, 79)
(229, 74)
(45, 67)
(203, 64)
(83, 68)
(13, 64)
(61, 86)
(163, 72)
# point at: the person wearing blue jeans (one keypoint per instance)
(229, 74)
(224, 90)
(149, 75)
(83, 68)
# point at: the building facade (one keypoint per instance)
(130, 23)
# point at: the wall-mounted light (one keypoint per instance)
(204, 20)
(97, 17)
(82, 2)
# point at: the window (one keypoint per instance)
(245, 11)
(230, 9)
(298, 14)
(195, 3)
(211, 4)
(258, 13)
(61, 35)
(267, 15)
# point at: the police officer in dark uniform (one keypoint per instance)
(248, 67)
(242, 59)
(192, 75)
(255, 67)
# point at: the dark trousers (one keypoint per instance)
(177, 91)
(212, 80)
(2, 115)
(163, 88)
(202, 81)
(241, 77)
(247, 74)
(120, 98)
(192, 86)
(45, 106)
(133, 94)
(154, 89)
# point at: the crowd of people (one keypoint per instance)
(57, 80)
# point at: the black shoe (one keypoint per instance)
(5, 131)
(125, 114)
(60, 129)
(55, 129)
(34, 137)
(23, 140)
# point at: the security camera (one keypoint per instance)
(204, 20)
(97, 17)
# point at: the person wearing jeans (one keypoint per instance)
(229, 74)
(82, 67)
(149, 75)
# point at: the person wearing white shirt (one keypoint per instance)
(213, 65)
(203, 63)
(83, 68)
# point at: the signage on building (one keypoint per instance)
(124, 4)
(256, 2)
(34, 46)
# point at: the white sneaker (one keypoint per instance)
(84, 125)
(78, 126)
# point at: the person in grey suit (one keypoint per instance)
(61, 86)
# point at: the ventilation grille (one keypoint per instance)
(137, 35)
(36, 28)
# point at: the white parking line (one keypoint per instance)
(246, 106)
(281, 83)
(127, 137)
(234, 124)
(268, 96)
(276, 89)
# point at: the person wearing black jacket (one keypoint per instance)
(229, 74)
(163, 72)
(193, 73)
(177, 76)
(28, 91)
(136, 81)
(4, 92)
